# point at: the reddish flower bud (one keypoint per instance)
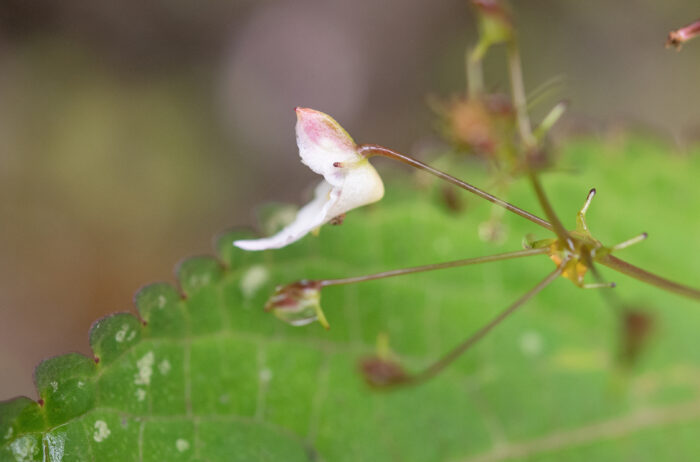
(298, 303)
(380, 372)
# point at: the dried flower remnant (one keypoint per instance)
(349, 179)
(298, 303)
(481, 125)
(676, 38)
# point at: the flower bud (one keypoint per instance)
(298, 303)
(382, 372)
(676, 38)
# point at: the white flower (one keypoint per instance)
(349, 179)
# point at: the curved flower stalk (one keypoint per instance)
(349, 179)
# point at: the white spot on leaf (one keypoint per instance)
(121, 333)
(531, 343)
(101, 431)
(8, 434)
(56, 444)
(145, 369)
(81, 384)
(201, 280)
(24, 449)
(253, 279)
(182, 445)
(265, 375)
(443, 245)
(164, 366)
(54, 385)
(140, 394)
(161, 301)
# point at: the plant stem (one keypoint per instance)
(455, 353)
(559, 229)
(368, 150)
(649, 278)
(529, 140)
(519, 98)
(436, 266)
(475, 76)
(549, 120)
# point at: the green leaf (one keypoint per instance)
(206, 375)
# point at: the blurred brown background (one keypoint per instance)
(131, 132)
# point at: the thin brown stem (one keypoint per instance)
(368, 150)
(519, 97)
(436, 266)
(455, 353)
(559, 229)
(649, 278)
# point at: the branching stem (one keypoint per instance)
(529, 140)
(455, 353)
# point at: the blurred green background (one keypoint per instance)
(132, 132)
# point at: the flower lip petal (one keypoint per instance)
(309, 217)
(361, 186)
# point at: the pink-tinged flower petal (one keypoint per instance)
(322, 142)
(309, 217)
(678, 37)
